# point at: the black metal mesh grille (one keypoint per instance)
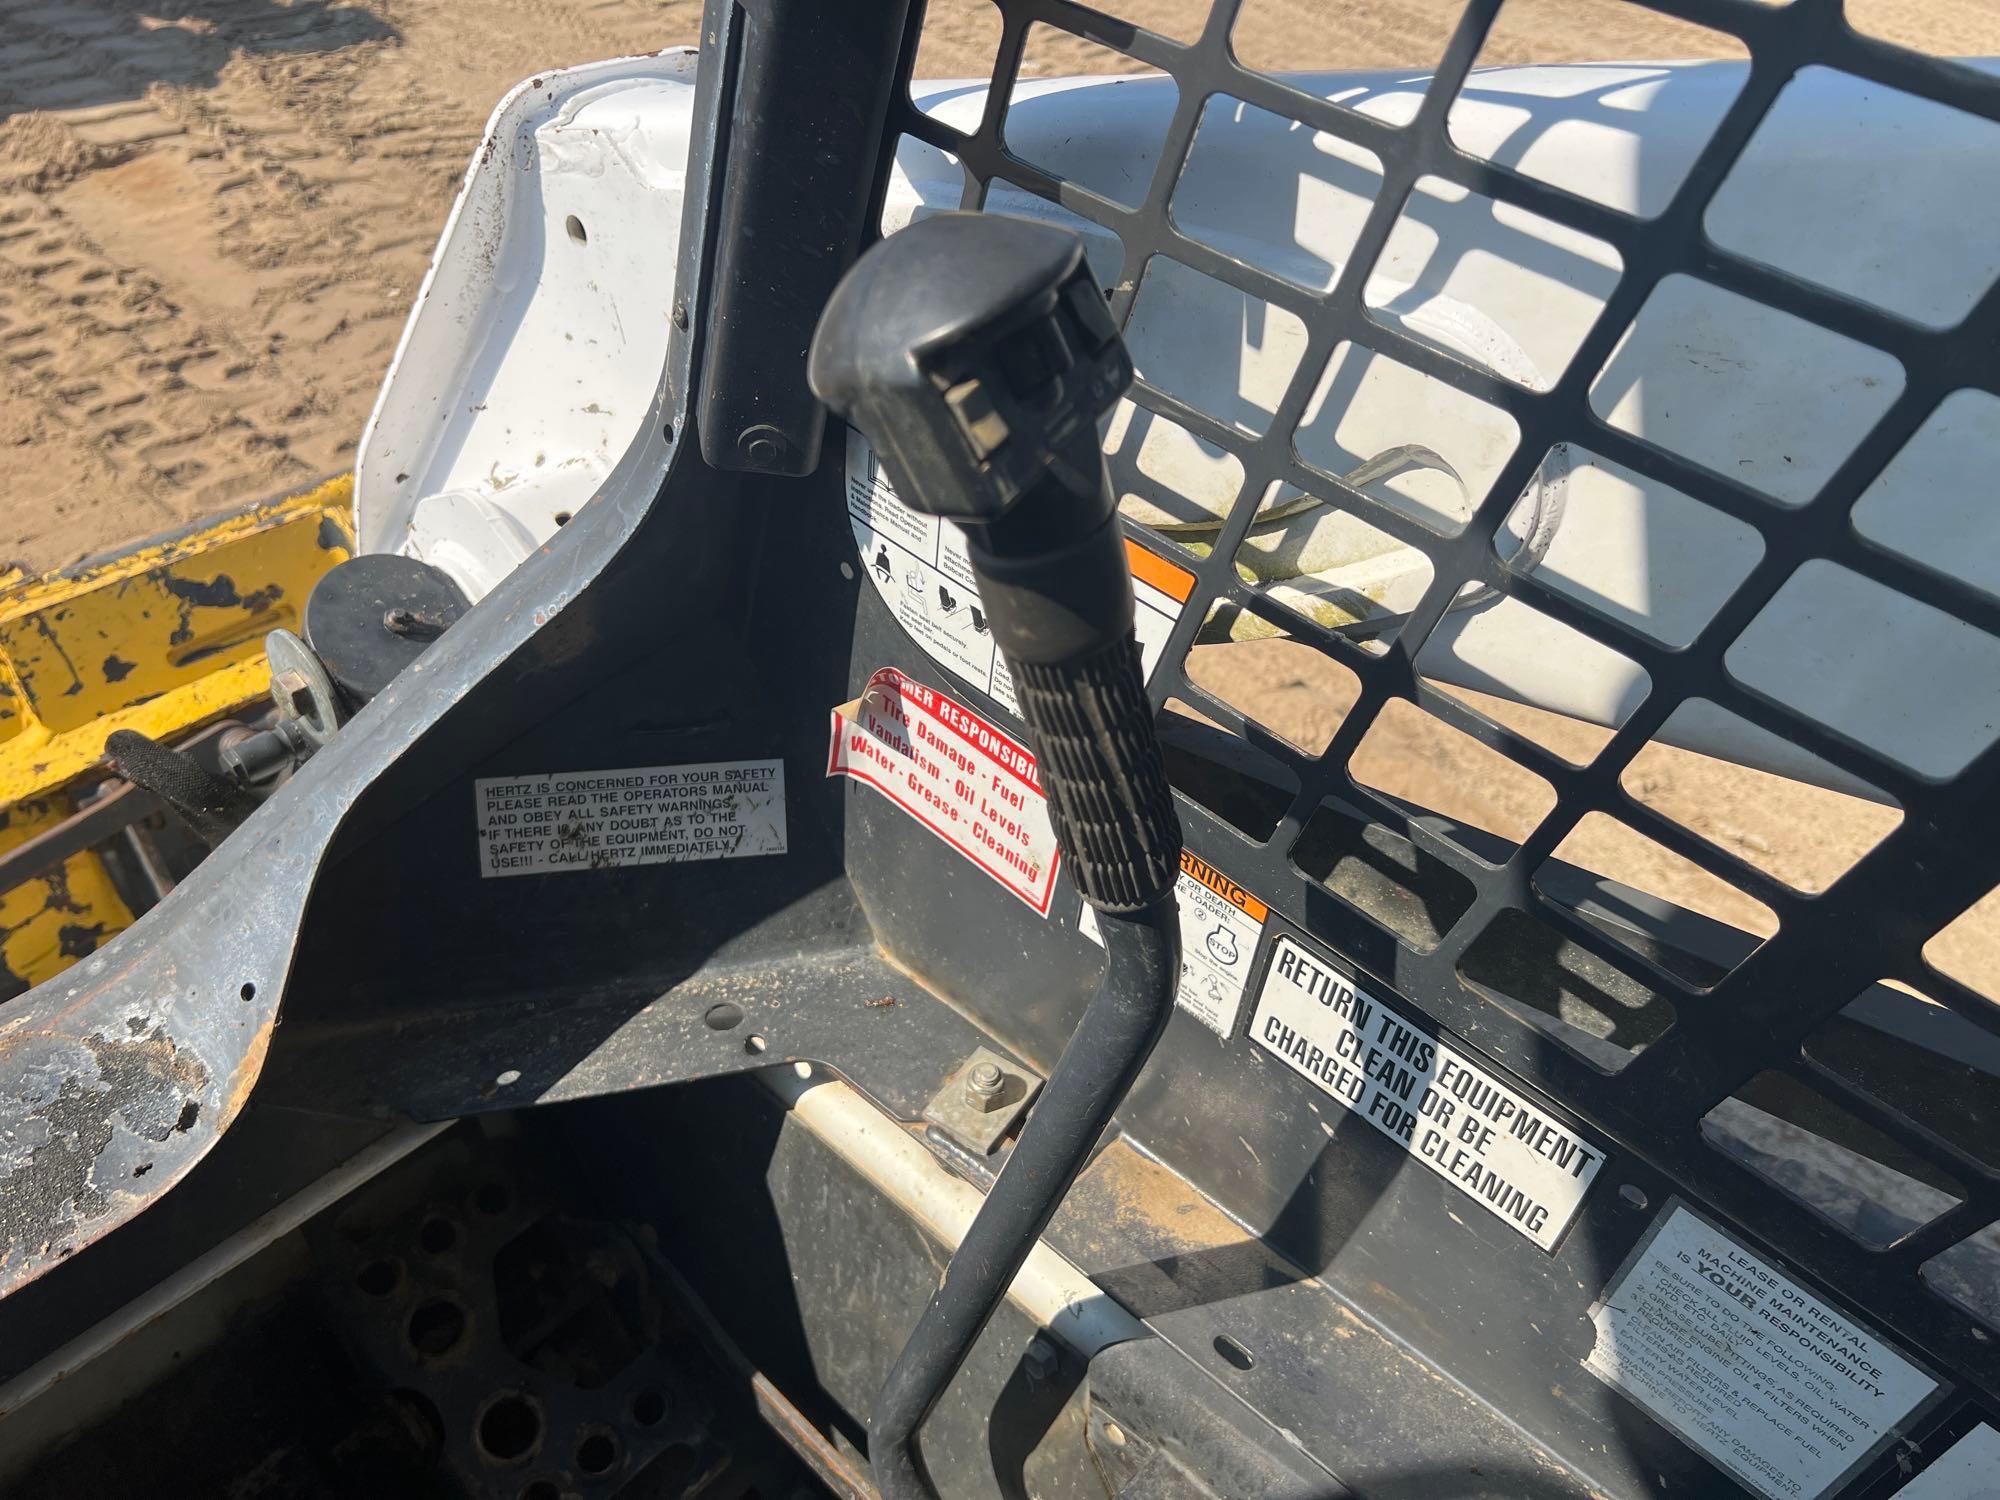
(1739, 1033)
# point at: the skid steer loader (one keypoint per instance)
(1062, 788)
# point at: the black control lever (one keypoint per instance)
(975, 352)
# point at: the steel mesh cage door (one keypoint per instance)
(1728, 1014)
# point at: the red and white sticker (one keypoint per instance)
(974, 786)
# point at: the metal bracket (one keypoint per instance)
(975, 1108)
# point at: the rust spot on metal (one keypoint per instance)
(145, 1086)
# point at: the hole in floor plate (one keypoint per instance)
(437, 1235)
(573, 227)
(723, 1017)
(1633, 1196)
(436, 1327)
(563, 517)
(649, 1408)
(1233, 1352)
(596, 1453)
(378, 1278)
(754, 1044)
(1579, 542)
(510, 1428)
(508, 1078)
(249, 991)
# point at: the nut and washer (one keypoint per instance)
(984, 1084)
(982, 1099)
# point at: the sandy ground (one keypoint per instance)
(214, 214)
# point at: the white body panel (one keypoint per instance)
(530, 355)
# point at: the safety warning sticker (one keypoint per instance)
(973, 785)
(919, 567)
(650, 815)
(1968, 1470)
(1504, 1151)
(1777, 1388)
(1220, 926)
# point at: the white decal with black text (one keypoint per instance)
(649, 815)
(919, 567)
(1782, 1391)
(1220, 926)
(1505, 1152)
(1968, 1470)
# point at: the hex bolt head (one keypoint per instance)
(1041, 1360)
(983, 1087)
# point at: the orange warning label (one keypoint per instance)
(1206, 874)
(1149, 567)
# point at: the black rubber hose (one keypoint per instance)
(1112, 1042)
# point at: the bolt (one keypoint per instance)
(293, 692)
(1041, 1360)
(402, 620)
(984, 1086)
(762, 446)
